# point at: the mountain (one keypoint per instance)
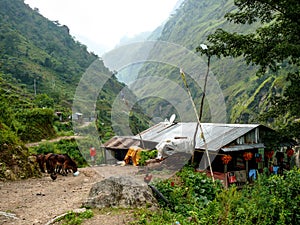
(41, 70)
(35, 49)
(244, 93)
(190, 26)
(41, 57)
(139, 37)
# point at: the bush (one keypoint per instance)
(197, 200)
(271, 200)
(145, 155)
(7, 136)
(188, 192)
(73, 218)
(36, 124)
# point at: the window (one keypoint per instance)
(240, 140)
(251, 137)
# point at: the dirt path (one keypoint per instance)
(53, 140)
(36, 201)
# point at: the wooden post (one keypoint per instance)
(247, 156)
(247, 170)
(225, 174)
(226, 159)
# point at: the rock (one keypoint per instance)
(120, 192)
(10, 175)
(80, 210)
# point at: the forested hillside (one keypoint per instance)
(246, 95)
(189, 26)
(40, 67)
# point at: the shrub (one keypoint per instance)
(195, 199)
(145, 155)
(271, 200)
(188, 192)
(73, 218)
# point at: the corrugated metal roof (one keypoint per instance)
(121, 142)
(242, 147)
(124, 142)
(216, 135)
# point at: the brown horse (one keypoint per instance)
(60, 163)
(65, 164)
(40, 159)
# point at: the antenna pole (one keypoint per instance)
(198, 123)
(34, 87)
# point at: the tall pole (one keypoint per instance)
(198, 123)
(204, 88)
(34, 86)
(202, 100)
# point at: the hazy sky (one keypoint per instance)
(100, 24)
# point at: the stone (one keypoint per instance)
(120, 192)
(10, 175)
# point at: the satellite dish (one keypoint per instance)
(172, 118)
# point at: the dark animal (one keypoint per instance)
(60, 163)
(66, 164)
(53, 176)
(49, 165)
(40, 159)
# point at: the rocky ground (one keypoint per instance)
(38, 200)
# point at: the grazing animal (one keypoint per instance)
(69, 164)
(40, 159)
(60, 163)
(49, 163)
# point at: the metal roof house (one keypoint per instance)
(221, 140)
(217, 136)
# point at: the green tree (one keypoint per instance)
(43, 100)
(274, 47)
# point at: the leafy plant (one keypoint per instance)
(145, 155)
(73, 218)
(188, 192)
(269, 200)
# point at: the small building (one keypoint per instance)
(116, 148)
(239, 151)
(77, 116)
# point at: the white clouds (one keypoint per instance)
(104, 22)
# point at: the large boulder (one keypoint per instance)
(123, 192)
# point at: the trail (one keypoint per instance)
(53, 140)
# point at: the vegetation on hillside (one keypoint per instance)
(246, 95)
(189, 26)
(271, 199)
(274, 48)
(40, 67)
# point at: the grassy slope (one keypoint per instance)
(36, 50)
(246, 95)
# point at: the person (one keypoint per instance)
(93, 155)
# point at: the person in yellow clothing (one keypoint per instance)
(134, 153)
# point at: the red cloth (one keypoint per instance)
(92, 151)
